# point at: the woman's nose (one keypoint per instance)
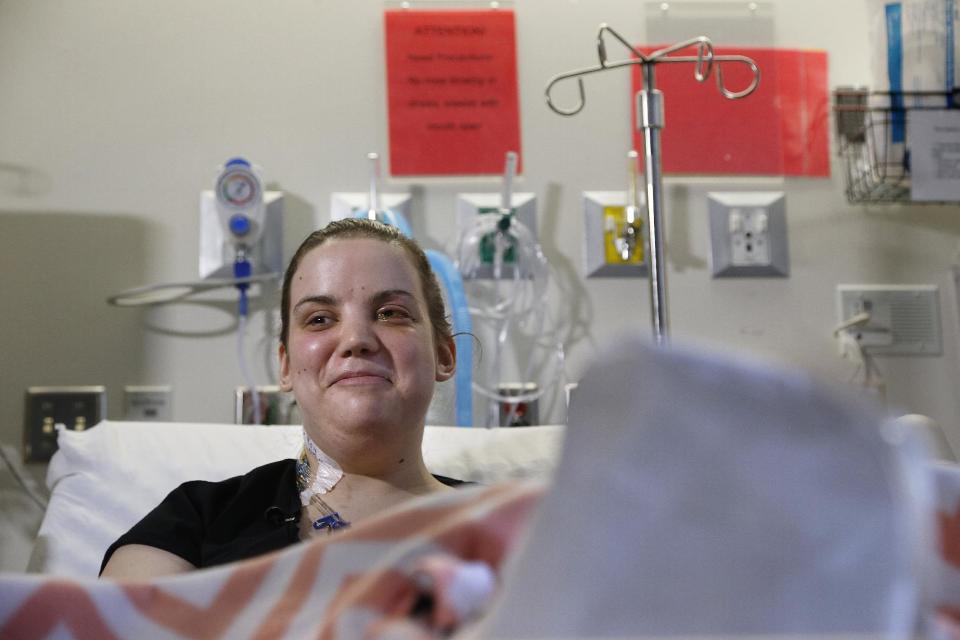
(357, 337)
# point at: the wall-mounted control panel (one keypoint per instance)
(51, 408)
(748, 234)
(896, 319)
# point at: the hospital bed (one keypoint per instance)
(691, 494)
(103, 480)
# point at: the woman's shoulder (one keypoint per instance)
(200, 520)
(266, 479)
(264, 473)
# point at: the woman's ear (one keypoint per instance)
(446, 359)
(285, 382)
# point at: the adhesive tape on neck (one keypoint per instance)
(326, 475)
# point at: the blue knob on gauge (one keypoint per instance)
(240, 225)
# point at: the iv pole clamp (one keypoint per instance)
(650, 119)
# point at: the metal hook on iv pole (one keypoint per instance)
(704, 63)
(650, 119)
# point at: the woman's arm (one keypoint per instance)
(139, 562)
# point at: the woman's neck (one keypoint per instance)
(359, 494)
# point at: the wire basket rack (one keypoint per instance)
(872, 139)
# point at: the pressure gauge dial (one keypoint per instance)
(238, 187)
(239, 196)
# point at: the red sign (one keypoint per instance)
(452, 91)
(779, 129)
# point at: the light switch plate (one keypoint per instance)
(748, 233)
(147, 403)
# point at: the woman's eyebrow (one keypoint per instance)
(382, 296)
(319, 299)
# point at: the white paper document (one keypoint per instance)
(933, 137)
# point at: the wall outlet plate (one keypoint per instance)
(216, 254)
(276, 406)
(748, 233)
(50, 408)
(348, 204)
(904, 319)
(601, 210)
(147, 403)
(471, 205)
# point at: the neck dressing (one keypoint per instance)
(327, 473)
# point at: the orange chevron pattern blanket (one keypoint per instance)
(422, 570)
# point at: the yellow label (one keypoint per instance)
(614, 227)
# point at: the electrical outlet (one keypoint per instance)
(50, 408)
(147, 403)
(904, 319)
(276, 406)
(748, 232)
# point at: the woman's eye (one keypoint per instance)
(319, 320)
(392, 313)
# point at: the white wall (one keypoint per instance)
(115, 115)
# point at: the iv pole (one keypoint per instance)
(650, 120)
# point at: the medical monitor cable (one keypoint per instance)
(42, 504)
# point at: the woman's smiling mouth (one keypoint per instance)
(352, 378)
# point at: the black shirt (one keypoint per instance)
(212, 523)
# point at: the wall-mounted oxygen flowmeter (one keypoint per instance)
(239, 197)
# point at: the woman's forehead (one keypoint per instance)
(358, 262)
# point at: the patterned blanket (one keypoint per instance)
(424, 570)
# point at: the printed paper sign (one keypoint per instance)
(779, 129)
(452, 91)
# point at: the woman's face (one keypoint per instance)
(361, 357)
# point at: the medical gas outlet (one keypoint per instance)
(614, 235)
(622, 236)
(475, 209)
(748, 232)
(748, 237)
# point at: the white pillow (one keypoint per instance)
(105, 479)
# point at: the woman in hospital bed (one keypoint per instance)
(364, 339)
